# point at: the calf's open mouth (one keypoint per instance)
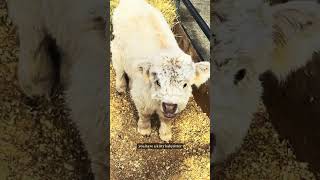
(169, 115)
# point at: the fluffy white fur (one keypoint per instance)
(78, 28)
(145, 48)
(255, 37)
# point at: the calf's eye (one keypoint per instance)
(185, 85)
(239, 76)
(158, 83)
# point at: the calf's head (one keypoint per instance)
(170, 79)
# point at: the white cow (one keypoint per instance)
(160, 73)
(252, 38)
(78, 28)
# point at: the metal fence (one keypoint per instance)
(197, 17)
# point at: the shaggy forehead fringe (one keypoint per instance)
(247, 27)
(177, 70)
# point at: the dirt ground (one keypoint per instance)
(37, 140)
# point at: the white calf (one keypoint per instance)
(161, 74)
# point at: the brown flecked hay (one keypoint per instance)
(187, 126)
(194, 168)
(127, 162)
(37, 140)
(264, 156)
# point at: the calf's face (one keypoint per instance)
(170, 80)
(234, 97)
(235, 93)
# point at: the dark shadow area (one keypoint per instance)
(294, 109)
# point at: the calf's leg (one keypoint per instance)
(117, 63)
(165, 129)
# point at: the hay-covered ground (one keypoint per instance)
(263, 156)
(37, 140)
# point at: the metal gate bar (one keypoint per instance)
(197, 17)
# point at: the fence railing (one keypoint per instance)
(197, 17)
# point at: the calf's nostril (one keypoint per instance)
(169, 108)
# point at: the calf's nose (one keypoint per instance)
(169, 108)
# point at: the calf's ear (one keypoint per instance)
(143, 69)
(202, 73)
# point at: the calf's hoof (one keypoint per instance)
(121, 89)
(37, 73)
(36, 83)
(121, 85)
(167, 137)
(144, 131)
